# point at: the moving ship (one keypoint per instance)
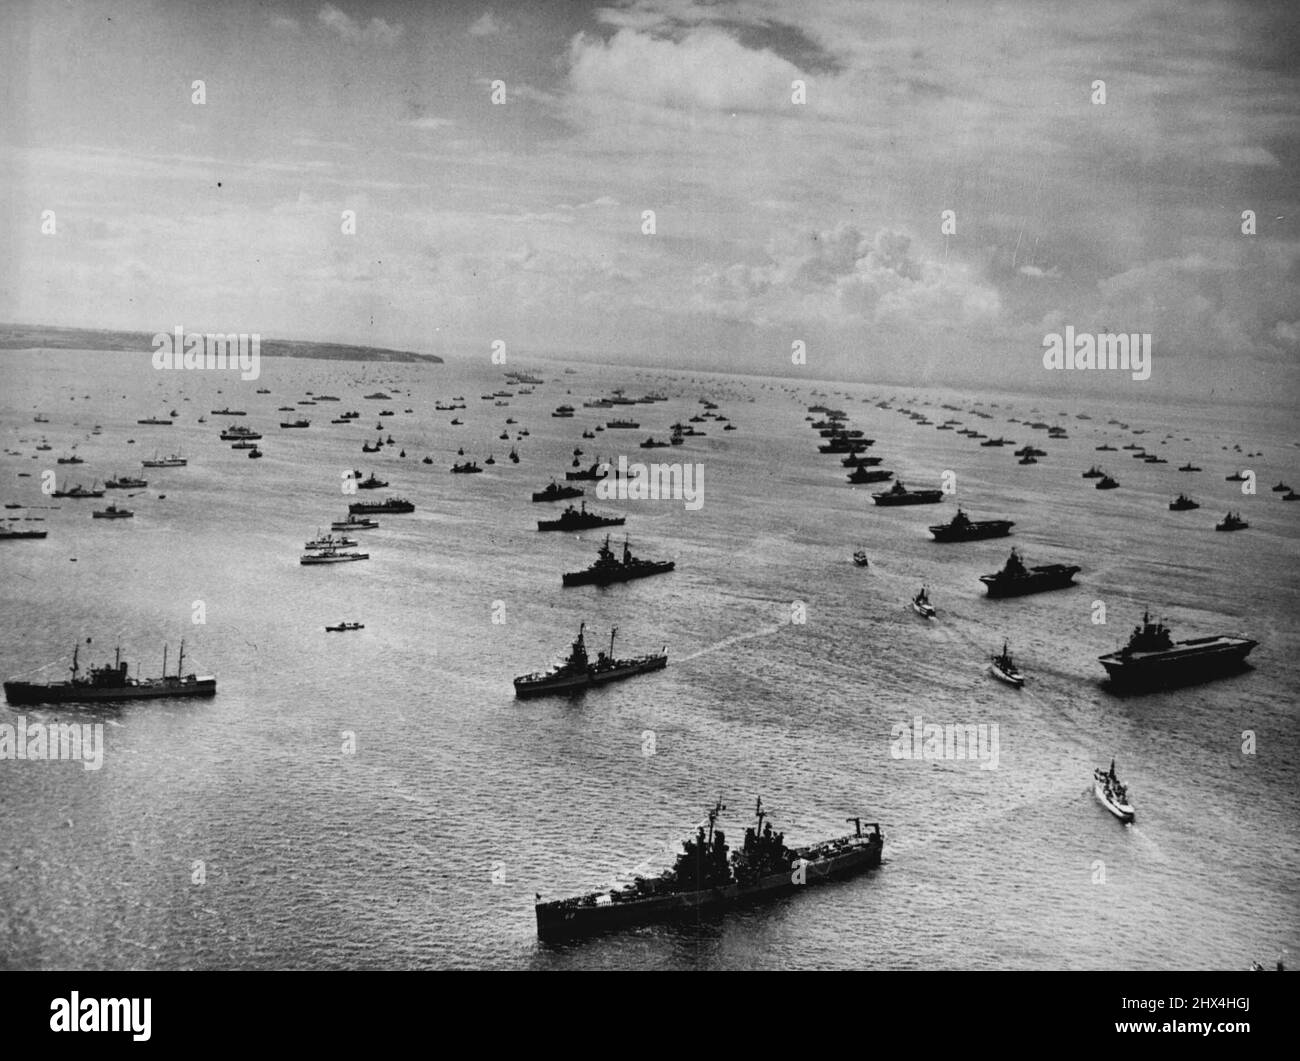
(578, 672)
(708, 876)
(110, 683)
(608, 568)
(961, 528)
(1015, 579)
(573, 519)
(900, 495)
(1111, 794)
(921, 604)
(1004, 668)
(1153, 659)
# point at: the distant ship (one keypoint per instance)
(870, 475)
(594, 473)
(622, 424)
(1231, 522)
(355, 523)
(1235, 477)
(1152, 659)
(556, 492)
(1182, 503)
(155, 421)
(112, 512)
(578, 672)
(78, 491)
(110, 683)
(1015, 579)
(295, 423)
(328, 541)
(573, 519)
(961, 528)
(608, 568)
(708, 877)
(391, 504)
(1107, 483)
(1111, 794)
(332, 556)
(1004, 668)
(1094, 473)
(371, 482)
(237, 431)
(230, 412)
(1188, 467)
(468, 468)
(13, 534)
(174, 461)
(900, 495)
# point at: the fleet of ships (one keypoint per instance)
(708, 874)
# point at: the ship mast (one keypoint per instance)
(612, 632)
(164, 659)
(181, 661)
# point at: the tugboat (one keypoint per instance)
(339, 628)
(1182, 503)
(391, 504)
(573, 519)
(708, 877)
(1231, 522)
(608, 568)
(1152, 659)
(112, 512)
(1111, 794)
(556, 492)
(578, 672)
(1004, 667)
(921, 604)
(1107, 483)
(900, 495)
(962, 528)
(110, 683)
(255, 454)
(1015, 580)
(861, 474)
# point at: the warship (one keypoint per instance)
(1182, 503)
(110, 683)
(1153, 659)
(1231, 522)
(900, 495)
(593, 474)
(709, 877)
(578, 672)
(608, 568)
(961, 528)
(1111, 794)
(391, 504)
(870, 475)
(112, 512)
(573, 519)
(556, 492)
(1015, 579)
(11, 533)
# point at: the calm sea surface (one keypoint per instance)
(424, 847)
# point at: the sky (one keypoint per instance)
(775, 220)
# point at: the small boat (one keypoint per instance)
(341, 627)
(490, 459)
(457, 422)
(1231, 522)
(860, 559)
(1111, 794)
(1004, 668)
(921, 604)
(1106, 449)
(514, 456)
(1027, 460)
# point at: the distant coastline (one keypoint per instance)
(50, 337)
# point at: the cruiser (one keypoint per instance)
(1015, 579)
(578, 672)
(900, 495)
(1111, 794)
(608, 568)
(110, 683)
(1153, 659)
(961, 528)
(573, 519)
(708, 877)
(392, 504)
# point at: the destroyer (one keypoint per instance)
(961, 528)
(578, 672)
(556, 492)
(1015, 579)
(1153, 659)
(708, 877)
(608, 568)
(110, 683)
(574, 519)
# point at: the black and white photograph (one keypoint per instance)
(649, 485)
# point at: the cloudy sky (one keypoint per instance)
(774, 220)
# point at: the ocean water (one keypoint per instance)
(424, 846)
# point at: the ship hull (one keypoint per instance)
(23, 693)
(930, 497)
(577, 525)
(1190, 663)
(571, 683)
(559, 920)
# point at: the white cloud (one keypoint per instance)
(376, 31)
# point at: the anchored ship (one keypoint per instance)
(556, 492)
(1153, 659)
(110, 683)
(578, 672)
(708, 877)
(391, 504)
(1015, 579)
(901, 495)
(609, 568)
(573, 519)
(961, 528)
